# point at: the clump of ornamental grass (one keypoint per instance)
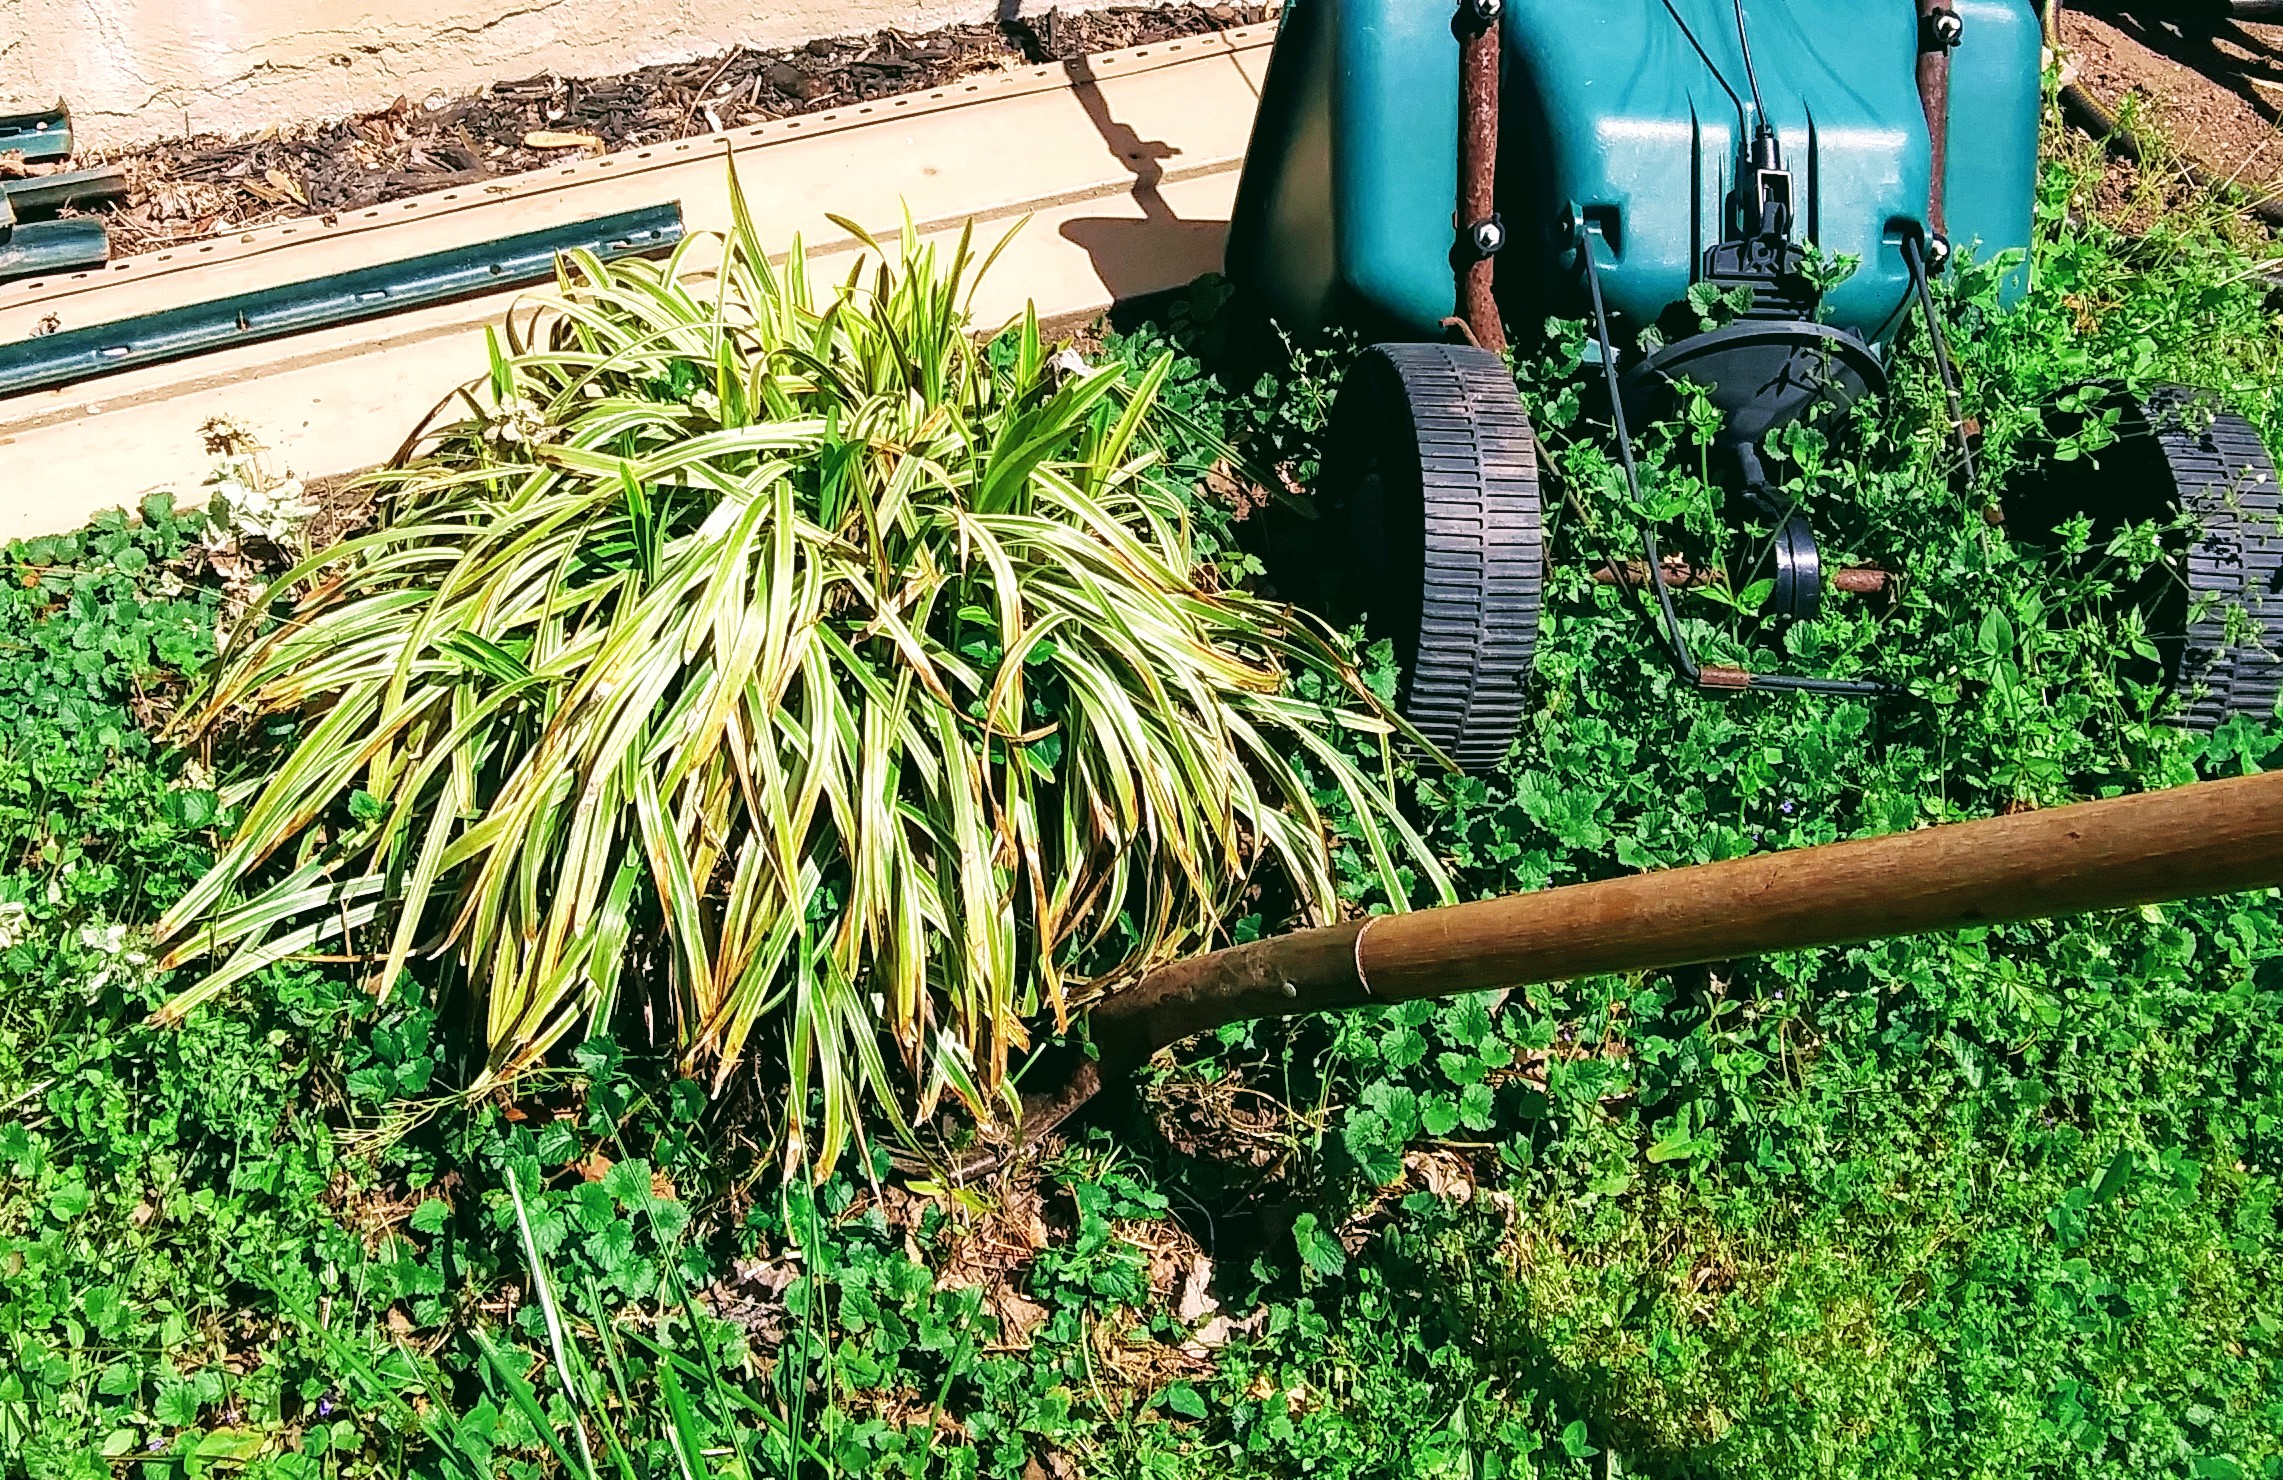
(777, 650)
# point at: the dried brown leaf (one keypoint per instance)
(285, 183)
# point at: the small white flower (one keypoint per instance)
(127, 959)
(252, 504)
(15, 922)
(516, 422)
(110, 939)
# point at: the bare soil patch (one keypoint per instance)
(2211, 88)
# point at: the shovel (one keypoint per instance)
(2213, 837)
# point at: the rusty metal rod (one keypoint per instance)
(2213, 837)
(1938, 31)
(1478, 173)
(1858, 580)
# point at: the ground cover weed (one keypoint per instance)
(1997, 1203)
(152, 1180)
(1992, 1204)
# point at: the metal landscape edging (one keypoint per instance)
(1124, 165)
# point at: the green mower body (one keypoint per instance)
(1633, 119)
(1814, 161)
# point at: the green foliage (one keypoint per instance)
(150, 1183)
(1996, 1204)
(89, 624)
(785, 637)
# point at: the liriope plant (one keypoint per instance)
(772, 647)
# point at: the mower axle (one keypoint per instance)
(1857, 580)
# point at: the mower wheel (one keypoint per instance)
(1431, 480)
(2222, 477)
(2216, 615)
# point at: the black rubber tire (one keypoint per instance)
(2223, 477)
(1432, 479)
(2177, 453)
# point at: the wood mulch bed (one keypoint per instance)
(183, 189)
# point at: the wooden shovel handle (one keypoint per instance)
(2214, 837)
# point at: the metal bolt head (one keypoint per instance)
(1486, 237)
(1485, 11)
(1948, 27)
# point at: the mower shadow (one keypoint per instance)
(1137, 257)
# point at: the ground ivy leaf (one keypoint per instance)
(177, 1405)
(629, 1182)
(1319, 1249)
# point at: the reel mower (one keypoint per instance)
(1605, 161)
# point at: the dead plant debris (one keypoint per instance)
(184, 189)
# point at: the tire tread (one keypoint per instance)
(1484, 580)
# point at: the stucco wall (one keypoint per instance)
(135, 70)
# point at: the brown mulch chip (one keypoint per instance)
(183, 189)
